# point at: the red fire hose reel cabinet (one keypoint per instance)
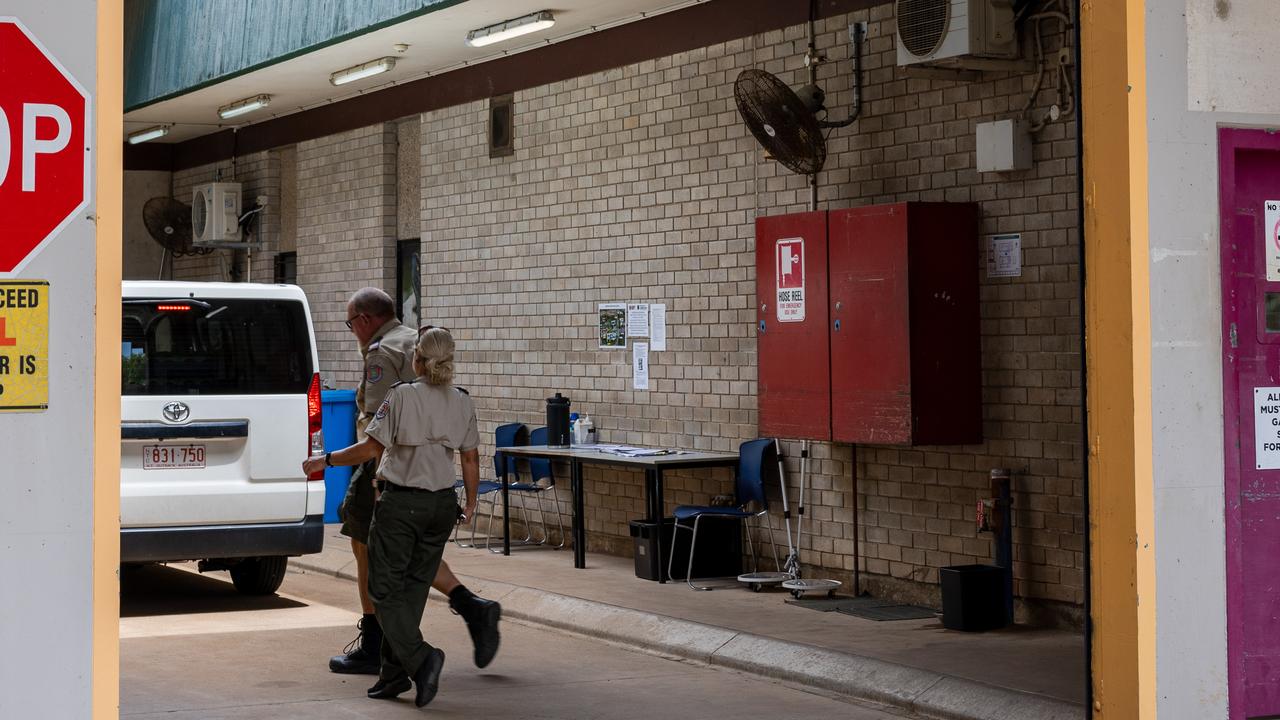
(867, 320)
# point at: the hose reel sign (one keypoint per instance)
(789, 261)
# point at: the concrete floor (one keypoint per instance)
(1043, 662)
(191, 647)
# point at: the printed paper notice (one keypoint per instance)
(1266, 435)
(658, 327)
(24, 346)
(640, 366)
(637, 320)
(1271, 236)
(789, 257)
(1004, 255)
(613, 325)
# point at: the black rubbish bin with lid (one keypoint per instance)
(973, 597)
(719, 548)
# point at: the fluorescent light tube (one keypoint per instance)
(360, 72)
(151, 133)
(247, 105)
(530, 23)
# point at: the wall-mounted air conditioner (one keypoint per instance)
(965, 34)
(215, 213)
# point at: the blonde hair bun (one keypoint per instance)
(435, 352)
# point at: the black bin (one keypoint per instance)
(719, 548)
(973, 597)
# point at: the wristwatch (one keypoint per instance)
(327, 461)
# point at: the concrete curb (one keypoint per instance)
(920, 691)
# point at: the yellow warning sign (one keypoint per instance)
(24, 345)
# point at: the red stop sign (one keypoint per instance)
(44, 160)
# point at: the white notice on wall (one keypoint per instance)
(1271, 238)
(637, 320)
(640, 366)
(1266, 435)
(658, 326)
(1004, 255)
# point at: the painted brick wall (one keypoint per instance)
(346, 198)
(641, 184)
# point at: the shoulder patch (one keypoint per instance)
(382, 409)
(373, 374)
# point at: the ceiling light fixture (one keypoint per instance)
(530, 23)
(247, 105)
(151, 133)
(360, 72)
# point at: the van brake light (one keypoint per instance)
(315, 434)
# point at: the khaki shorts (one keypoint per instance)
(356, 509)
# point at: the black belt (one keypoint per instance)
(384, 485)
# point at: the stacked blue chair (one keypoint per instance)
(755, 458)
(539, 469)
(508, 435)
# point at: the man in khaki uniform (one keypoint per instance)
(388, 349)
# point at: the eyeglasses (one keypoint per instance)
(352, 319)
(422, 330)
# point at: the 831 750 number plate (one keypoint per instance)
(172, 457)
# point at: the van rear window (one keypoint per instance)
(215, 347)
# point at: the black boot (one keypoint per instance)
(361, 656)
(482, 622)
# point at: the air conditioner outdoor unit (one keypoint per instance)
(956, 33)
(215, 214)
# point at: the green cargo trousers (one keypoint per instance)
(406, 541)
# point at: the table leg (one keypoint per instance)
(660, 510)
(579, 522)
(506, 512)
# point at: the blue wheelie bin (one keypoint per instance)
(338, 418)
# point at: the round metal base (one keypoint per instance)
(758, 580)
(800, 586)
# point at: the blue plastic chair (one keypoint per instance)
(539, 469)
(508, 435)
(755, 458)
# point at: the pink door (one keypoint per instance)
(1250, 232)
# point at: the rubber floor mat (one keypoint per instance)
(840, 604)
(889, 612)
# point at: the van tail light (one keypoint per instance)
(315, 435)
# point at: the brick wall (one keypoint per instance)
(346, 199)
(641, 184)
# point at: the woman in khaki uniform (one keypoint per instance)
(416, 433)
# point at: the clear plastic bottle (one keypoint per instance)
(587, 430)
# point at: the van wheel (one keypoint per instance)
(259, 576)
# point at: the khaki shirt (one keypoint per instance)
(420, 426)
(388, 359)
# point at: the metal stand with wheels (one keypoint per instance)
(797, 585)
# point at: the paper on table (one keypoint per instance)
(637, 320)
(640, 366)
(658, 327)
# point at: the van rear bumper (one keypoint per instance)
(165, 544)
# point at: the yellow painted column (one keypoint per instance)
(109, 167)
(1118, 358)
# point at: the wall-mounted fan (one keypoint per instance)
(789, 123)
(784, 124)
(168, 222)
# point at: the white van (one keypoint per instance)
(220, 404)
